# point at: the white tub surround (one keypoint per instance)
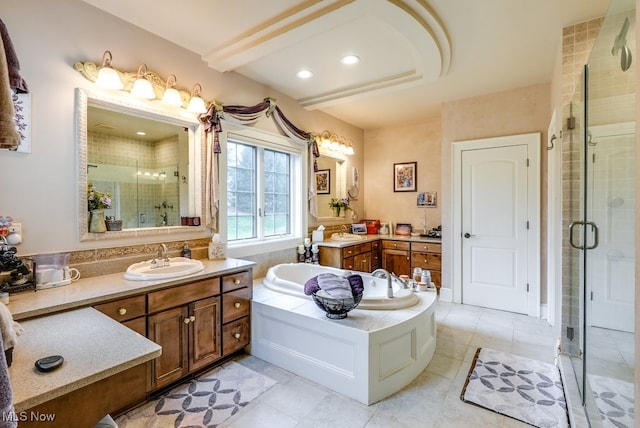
(367, 356)
(289, 278)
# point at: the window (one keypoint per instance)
(264, 195)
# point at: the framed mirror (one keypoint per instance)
(155, 180)
(331, 182)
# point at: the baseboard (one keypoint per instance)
(446, 294)
(544, 311)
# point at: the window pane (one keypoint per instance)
(276, 197)
(241, 195)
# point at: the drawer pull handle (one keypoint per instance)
(192, 318)
(122, 311)
(186, 320)
(237, 305)
(236, 282)
(237, 336)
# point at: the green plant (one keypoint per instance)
(342, 203)
(97, 200)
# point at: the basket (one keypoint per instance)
(336, 309)
(113, 225)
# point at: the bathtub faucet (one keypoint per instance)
(381, 273)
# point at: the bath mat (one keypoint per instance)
(527, 390)
(614, 400)
(204, 402)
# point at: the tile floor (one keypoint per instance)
(431, 400)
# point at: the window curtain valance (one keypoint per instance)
(247, 115)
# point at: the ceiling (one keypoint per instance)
(414, 54)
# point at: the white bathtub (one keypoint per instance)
(289, 278)
(367, 356)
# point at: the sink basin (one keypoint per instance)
(176, 268)
(345, 237)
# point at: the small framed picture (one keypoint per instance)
(405, 177)
(323, 182)
(427, 199)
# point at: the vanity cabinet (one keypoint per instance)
(396, 257)
(237, 291)
(363, 257)
(428, 255)
(185, 321)
(130, 311)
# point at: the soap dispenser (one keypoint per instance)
(186, 251)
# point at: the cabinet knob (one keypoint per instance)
(122, 311)
(237, 336)
(236, 282)
(395, 245)
(186, 320)
(236, 305)
(192, 318)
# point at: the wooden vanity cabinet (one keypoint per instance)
(185, 321)
(363, 257)
(237, 291)
(130, 311)
(428, 255)
(396, 257)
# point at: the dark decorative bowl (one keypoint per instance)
(336, 309)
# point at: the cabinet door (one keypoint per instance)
(204, 332)
(168, 329)
(362, 262)
(348, 263)
(396, 261)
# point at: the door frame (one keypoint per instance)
(532, 140)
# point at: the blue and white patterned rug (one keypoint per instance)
(614, 399)
(527, 390)
(204, 402)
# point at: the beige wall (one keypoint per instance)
(518, 111)
(39, 189)
(396, 144)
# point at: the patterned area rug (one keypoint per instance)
(527, 390)
(203, 402)
(614, 399)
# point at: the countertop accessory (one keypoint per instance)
(403, 229)
(50, 363)
(336, 309)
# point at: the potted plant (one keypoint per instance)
(338, 204)
(97, 202)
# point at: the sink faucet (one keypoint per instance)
(381, 273)
(343, 229)
(162, 255)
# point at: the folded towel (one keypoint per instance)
(16, 82)
(337, 287)
(9, 136)
(6, 394)
(9, 329)
(356, 283)
(311, 286)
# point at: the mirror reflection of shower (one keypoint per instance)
(620, 46)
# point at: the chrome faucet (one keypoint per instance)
(343, 229)
(162, 255)
(381, 273)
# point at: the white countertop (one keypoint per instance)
(371, 238)
(58, 321)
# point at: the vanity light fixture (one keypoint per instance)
(142, 88)
(332, 142)
(107, 76)
(196, 103)
(171, 95)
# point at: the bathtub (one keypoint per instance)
(289, 278)
(367, 356)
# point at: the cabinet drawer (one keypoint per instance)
(124, 309)
(348, 263)
(426, 260)
(356, 249)
(395, 245)
(235, 335)
(375, 245)
(426, 247)
(236, 304)
(236, 280)
(183, 294)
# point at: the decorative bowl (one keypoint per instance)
(336, 309)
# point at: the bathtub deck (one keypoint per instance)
(367, 356)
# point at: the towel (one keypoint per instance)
(335, 286)
(9, 329)
(356, 283)
(16, 82)
(9, 136)
(6, 394)
(311, 286)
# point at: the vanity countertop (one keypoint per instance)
(98, 289)
(371, 238)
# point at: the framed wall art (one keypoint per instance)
(405, 177)
(323, 182)
(427, 199)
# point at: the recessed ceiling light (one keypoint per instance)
(141, 133)
(304, 74)
(350, 59)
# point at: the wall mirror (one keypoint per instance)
(333, 169)
(154, 179)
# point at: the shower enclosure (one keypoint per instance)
(599, 221)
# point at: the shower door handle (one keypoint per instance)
(596, 234)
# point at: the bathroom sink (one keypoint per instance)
(176, 268)
(346, 237)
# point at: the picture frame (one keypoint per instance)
(427, 199)
(405, 177)
(323, 182)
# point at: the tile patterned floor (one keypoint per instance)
(431, 400)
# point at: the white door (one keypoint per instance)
(611, 199)
(494, 228)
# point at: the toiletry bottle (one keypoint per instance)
(186, 251)
(315, 254)
(301, 254)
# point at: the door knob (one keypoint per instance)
(468, 235)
